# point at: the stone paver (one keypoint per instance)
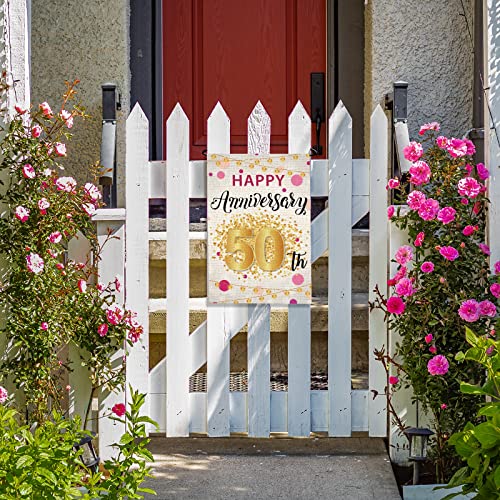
(276, 476)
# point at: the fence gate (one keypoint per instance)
(259, 410)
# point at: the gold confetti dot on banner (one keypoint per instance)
(289, 172)
(273, 295)
(299, 289)
(242, 288)
(282, 158)
(264, 169)
(235, 302)
(269, 160)
(268, 291)
(238, 162)
(255, 290)
(277, 171)
(261, 299)
(251, 165)
(217, 163)
(249, 301)
(213, 156)
(308, 294)
(286, 292)
(257, 162)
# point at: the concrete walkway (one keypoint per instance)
(271, 469)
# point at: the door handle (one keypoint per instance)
(317, 109)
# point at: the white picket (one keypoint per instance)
(111, 222)
(218, 341)
(137, 229)
(79, 250)
(378, 266)
(177, 179)
(299, 315)
(339, 271)
(402, 398)
(259, 316)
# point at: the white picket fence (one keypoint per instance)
(347, 184)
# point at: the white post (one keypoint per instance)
(111, 222)
(299, 316)
(218, 338)
(79, 379)
(137, 250)
(379, 236)
(339, 270)
(259, 316)
(178, 371)
(492, 125)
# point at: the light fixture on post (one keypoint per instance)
(89, 456)
(418, 438)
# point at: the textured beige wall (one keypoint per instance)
(425, 43)
(87, 40)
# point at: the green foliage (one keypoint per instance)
(128, 469)
(479, 445)
(42, 464)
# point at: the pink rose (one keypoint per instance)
(119, 409)
(67, 118)
(36, 131)
(65, 184)
(438, 365)
(449, 253)
(393, 380)
(400, 274)
(92, 191)
(395, 305)
(468, 186)
(446, 215)
(43, 204)
(444, 406)
(22, 213)
(487, 308)
(89, 209)
(495, 290)
(35, 263)
(46, 109)
(415, 199)
(44, 325)
(433, 349)
(464, 201)
(102, 330)
(484, 248)
(419, 239)
(392, 184)
(29, 171)
(60, 149)
(428, 338)
(413, 151)
(404, 255)
(429, 126)
(420, 173)
(471, 149)
(427, 267)
(469, 310)
(482, 172)
(3, 395)
(468, 230)
(82, 286)
(55, 237)
(429, 209)
(404, 288)
(456, 147)
(390, 212)
(442, 142)
(114, 315)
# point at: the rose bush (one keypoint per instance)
(50, 301)
(442, 282)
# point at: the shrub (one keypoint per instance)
(441, 284)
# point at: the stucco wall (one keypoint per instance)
(423, 42)
(87, 40)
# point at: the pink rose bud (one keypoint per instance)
(44, 325)
(46, 109)
(393, 380)
(36, 131)
(433, 349)
(444, 406)
(429, 338)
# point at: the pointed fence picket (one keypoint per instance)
(260, 411)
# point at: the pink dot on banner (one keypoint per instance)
(210, 174)
(296, 180)
(293, 301)
(245, 276)
(218, 254)
(241, 170)
(221, 174)
(223, 285)
(297, 279)
(297, 240)
(284, 190)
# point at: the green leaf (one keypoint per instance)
(496, 477)
(471, 389)
(487, 435)
(470, 337)
(126, 438)
(24, 461)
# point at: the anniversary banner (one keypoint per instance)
(259, 242)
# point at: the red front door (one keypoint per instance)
(238, 52)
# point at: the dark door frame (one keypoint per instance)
(345, 56)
